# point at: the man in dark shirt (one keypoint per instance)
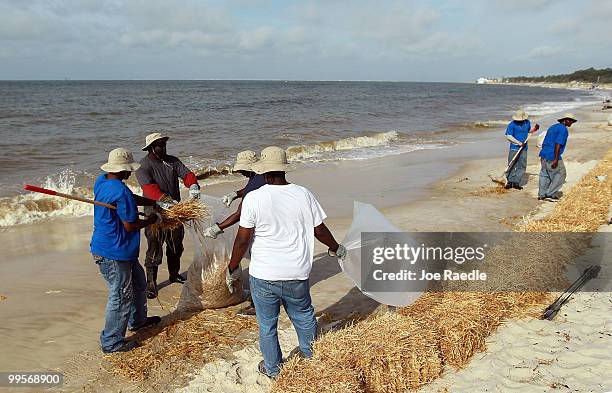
(159, 176)
(244, 160)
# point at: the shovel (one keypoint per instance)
(68, 196)
(502, 180)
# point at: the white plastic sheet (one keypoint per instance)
(367, 219)
(205, 286)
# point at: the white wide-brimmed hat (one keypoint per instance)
(568, 116)
(152, 138)
(244, 160)
(272, 159)
(120, 160)
(520, 115)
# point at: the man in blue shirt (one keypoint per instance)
(552, 174)
(244, 160)
(115, 245)
(516, 133)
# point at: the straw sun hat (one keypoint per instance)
(244, 160)
(568, 116)
(120, 160)
(520, 115)
(273, 159)
(152, 138)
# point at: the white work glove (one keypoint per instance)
(231, 277)
(213, 231)
(229, 198)
(340, 252)
(194, 191)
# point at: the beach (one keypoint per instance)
(55, 297)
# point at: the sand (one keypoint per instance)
(55, 298)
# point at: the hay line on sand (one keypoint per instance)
(195, 340)
(405, 350)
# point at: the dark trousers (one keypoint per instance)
(174, 248)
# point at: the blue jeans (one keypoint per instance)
(127, 300)
(294, 295)
(515, 174)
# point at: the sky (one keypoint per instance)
(436, 40)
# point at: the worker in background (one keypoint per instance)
(115, 246)
(244, 160)
(283, 219)
(552, 174)
(159, 176)
(517, 132)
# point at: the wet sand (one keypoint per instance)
(55, 297)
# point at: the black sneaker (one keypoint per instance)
(508, 186)
(516, 186)
(151, 290)
(177, 278)
(126, 347)
(262, 370)
(149, 322)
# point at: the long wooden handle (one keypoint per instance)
(67, 196)
(517, 154)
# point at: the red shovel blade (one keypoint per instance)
(39, 189)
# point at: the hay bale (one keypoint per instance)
(392, 353)
(307, 375)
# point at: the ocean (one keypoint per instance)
(57, 133)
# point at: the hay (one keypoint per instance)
(196, 340)
(488, 191)
(189, 212)
(396, 353)
(332, 378)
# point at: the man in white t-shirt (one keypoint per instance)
(284, 219)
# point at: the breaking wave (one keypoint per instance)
(305, 152)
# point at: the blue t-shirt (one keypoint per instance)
(556, 135)
(254, 183)
(110, 239)
(519, 131)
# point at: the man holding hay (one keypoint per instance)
(115, 246)
(516, 133)
(159, 176)
(284, 219)
(244, 160)
(552, 174)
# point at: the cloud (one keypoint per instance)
(545, 51)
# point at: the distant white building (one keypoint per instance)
(483, 80)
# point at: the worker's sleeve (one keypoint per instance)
(318, 214)
(510, 129)
(126, 206)
(152, 191)
(561, 137)
(248, 216)
(190, 179)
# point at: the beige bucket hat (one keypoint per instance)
(272, 159)
(152, 138)
(244, 160)
(520, 115)
(120, 160)
(568, 116)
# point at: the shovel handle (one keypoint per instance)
(67, 196)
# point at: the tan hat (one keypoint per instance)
(568, 116)
(519, 115)
(272, 159)
(244, 160)
(120, 160)
(152, 138)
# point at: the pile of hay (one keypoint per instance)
(195, 340)
(189, 212)
(403, 351)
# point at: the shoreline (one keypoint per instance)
(444, 201)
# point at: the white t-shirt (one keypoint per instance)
(284, 218)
